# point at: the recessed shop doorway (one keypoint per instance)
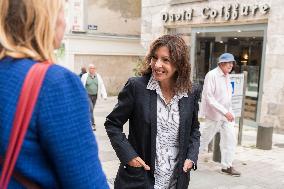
(247, 44)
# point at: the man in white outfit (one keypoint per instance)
(216, 107)
(95, 87)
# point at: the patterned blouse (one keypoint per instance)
(167, 139)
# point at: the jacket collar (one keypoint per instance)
(153, 118)
(154, 86)
(89, 74)
(220, 72)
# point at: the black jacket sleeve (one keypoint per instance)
(117, 118)
(193, 148)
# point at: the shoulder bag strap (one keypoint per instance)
(26, 103)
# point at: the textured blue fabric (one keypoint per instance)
(59, 150)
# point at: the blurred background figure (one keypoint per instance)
(216, 107)
(60, 150)
(95, 87)
(83, 71)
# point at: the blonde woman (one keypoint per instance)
(59, 150)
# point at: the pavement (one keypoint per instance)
(260, 169)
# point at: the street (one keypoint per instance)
(260, 169)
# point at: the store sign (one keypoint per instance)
(229, 12)
(184, 16)
(237, 82)
(92, 27)
(77, 14)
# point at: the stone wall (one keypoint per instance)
(272, 107)
(115, 70)
(115, 17)
(112, 42)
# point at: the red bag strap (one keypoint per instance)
(26, 103)
(27, 183)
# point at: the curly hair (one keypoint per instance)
(179, 56)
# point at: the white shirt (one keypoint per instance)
(216, 95)
(167, 139)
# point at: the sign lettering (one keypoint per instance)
(227, 12)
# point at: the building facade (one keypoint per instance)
(107, 34)
(252, 30)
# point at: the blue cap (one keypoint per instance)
(226, 57)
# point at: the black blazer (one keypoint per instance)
(139, 105)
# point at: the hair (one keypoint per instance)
(179, 57)
(27, 28)
(91, 65)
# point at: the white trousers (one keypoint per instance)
(228, 141)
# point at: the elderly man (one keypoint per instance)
(95, 87)
(216, 107)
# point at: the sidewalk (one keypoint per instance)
(261, 169)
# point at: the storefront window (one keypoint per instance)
(247, 50)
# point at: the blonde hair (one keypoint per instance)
(27, 28)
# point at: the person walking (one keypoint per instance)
(59, 149)
(83, 71)
(95, 87)
(162, 109)
(216, 107)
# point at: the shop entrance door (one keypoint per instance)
(247, 50)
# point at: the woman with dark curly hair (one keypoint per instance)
(162, 109)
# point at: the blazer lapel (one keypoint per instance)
(153, 114)
(182, 118)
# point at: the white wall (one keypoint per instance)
(99, 45)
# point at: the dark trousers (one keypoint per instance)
(93, 100)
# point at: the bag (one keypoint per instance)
(27, 100)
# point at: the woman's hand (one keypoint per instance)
(138, 162)
(187, 166)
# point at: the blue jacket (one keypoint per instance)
(59, 150)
